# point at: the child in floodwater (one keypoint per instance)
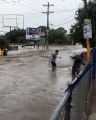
(53, 57)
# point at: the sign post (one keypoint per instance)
(47, 34)
(87, 32)
(88, 48)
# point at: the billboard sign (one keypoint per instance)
(33, 33)
(87, 29)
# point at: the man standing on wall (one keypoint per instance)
(78, 61)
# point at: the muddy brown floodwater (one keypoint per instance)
(29, 88)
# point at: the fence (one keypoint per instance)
(73, 104)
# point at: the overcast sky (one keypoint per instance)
(31, 12)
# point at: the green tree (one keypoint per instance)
(76, 31)
(43, 28)
(3, 42)
(16, 36)
(58, 36)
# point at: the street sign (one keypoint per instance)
(87, 29)
(42, 41)
(87, 21)
(47, 30)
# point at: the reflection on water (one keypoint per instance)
(53, 69)
(52, 75)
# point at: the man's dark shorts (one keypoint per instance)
(53, 64)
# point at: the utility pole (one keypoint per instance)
(48, 12)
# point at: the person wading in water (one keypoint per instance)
(53, 57)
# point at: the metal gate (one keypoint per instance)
(73, 104)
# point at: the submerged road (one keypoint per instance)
(29, 88)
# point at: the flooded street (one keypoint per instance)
(29, 88)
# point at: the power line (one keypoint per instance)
(30, 4)
(53, 12)
(3, 2)
(24, 5)
(64, 18)
(76, 3)
(20, 4)
(36, 1)
(65, 10)
(64, 23)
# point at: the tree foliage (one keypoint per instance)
(43, 28)
(16, 36)
(55, 36)
(76, 31)
(58, 36)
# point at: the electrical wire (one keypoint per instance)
(35, 13)
(29, 3)
(76, 3)
(41, 0)
(28, 6)
(64, 23)
(64, 18)
(63, 11)
(53, 12)
(20, 5)
(3, 2)
(66, 10)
